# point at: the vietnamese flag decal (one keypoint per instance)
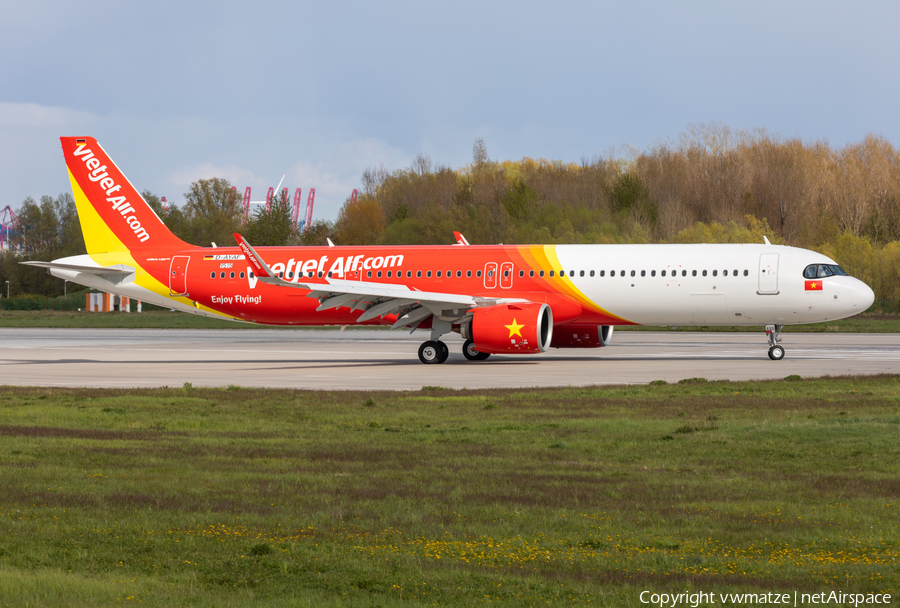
(813, 285)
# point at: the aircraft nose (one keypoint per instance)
(863, 296)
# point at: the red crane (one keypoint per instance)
(9, 222)
(296, 215)
(246, 205)
(269, 199)
(309, 208)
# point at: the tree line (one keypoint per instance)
(712, 184)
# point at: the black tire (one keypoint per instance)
(471, 354)
(431, 352)
(776, 353)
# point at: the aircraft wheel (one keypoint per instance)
(432, 352)
(776, 353)
(471, 354)
(445, 351)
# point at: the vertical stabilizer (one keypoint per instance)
(113, 215)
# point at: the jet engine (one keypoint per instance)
(582, 336)
(520, 328)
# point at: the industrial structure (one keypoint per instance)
(9, 227)
(301, 225)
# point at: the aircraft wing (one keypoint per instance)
(376, 299)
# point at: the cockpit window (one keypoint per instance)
(818, 271)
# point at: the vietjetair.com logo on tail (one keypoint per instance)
(97, 172)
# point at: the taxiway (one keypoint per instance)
(380, 359)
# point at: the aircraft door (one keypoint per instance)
(178, 275)
(768, 273)
(506, 275)
(490, 275)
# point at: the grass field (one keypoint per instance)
(581, 496)
(164, 319)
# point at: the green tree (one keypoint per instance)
(272, 226)
(173, 218)
(212, 212)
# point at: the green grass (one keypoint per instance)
(165, 319)
(587, 496)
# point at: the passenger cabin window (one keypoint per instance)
(369, 274)
(242, 275)
(418, 274)
(468, 273)
(746, 272)
(735, 273)
(438, 274)
(478, 273)
(632, 273)
(428, 274)
(551, 273)
(592, 273)
(531, 273)
(602, 273)
(212, 275)
(652, 273)
(643, 273)
(704, 273)
(521, 273)
(684, 273)
(715, 273)
(693, 273)
(232, 276)
(541, 273)
(663, 273)
(725, 273)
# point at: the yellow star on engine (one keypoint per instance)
(514, 329)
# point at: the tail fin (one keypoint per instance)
(113, 215)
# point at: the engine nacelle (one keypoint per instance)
(520, 328)
(582, 336)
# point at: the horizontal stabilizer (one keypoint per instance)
(119, 270)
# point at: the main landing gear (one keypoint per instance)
(471, 354)
(776, 352)
(433, 351)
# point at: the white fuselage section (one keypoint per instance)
(710, 284)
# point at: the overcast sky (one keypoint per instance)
(177, 91)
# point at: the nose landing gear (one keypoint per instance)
(776, 352)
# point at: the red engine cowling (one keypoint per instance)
(521, 328)
(582, 336)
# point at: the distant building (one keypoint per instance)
(107, 302)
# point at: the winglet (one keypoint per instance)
(766, 239)
(259, 266)
(460, 239)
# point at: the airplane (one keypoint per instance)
(502, 299)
